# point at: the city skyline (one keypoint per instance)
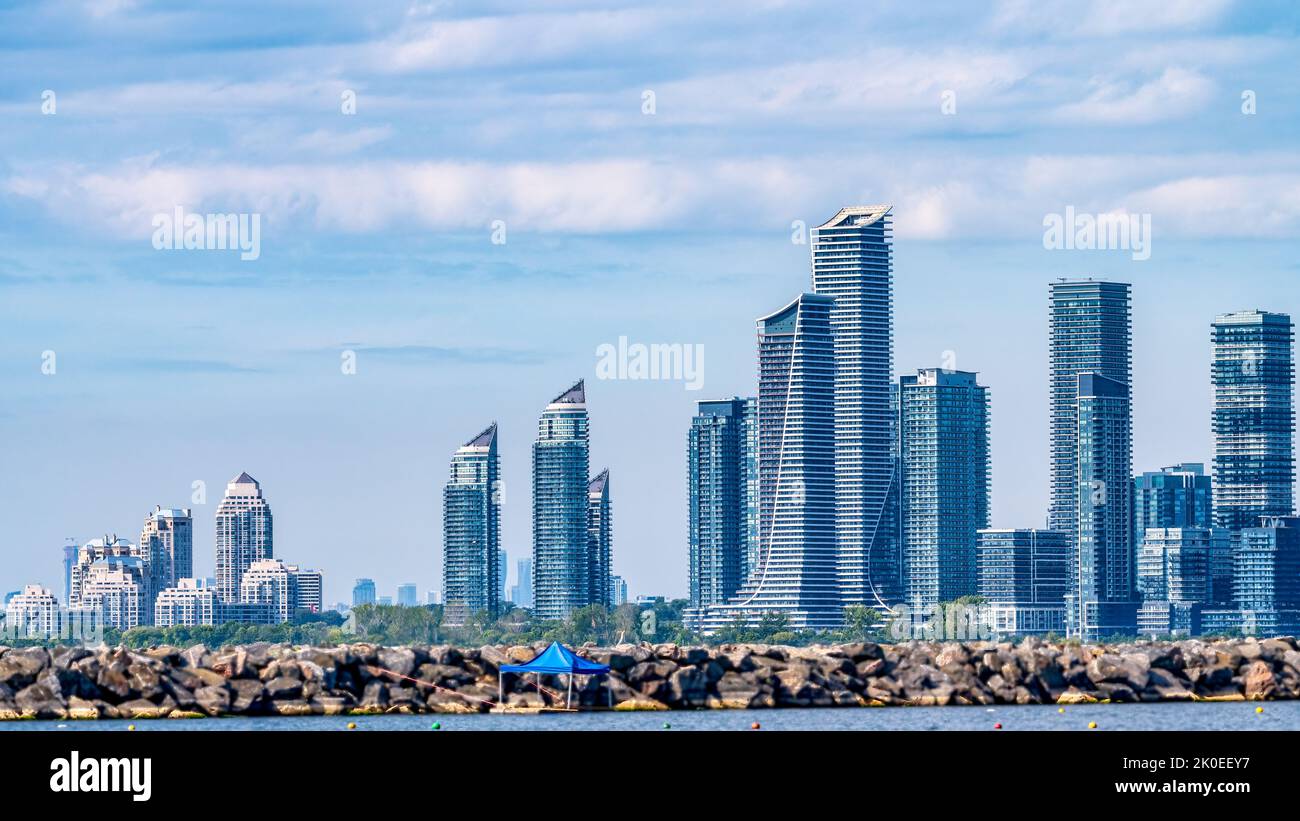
(677, 226)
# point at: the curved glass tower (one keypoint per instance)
(471, 530)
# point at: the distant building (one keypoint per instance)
(1023, 577)
(1103, 598)
(109, 546)
(407, 596)
(620, 591)
(69, 561)
(244, 534)
(562, 561)
(385, 601)
(503, 567)
(471, 528)
(521, 593)
(363, 592)
(167, 546)
(191, 602)
(944, 457)
(797, 571)
(310, 587)
(432, 597)
(1175, 496)
(852, 263)
(1267, 575)
(1253, 373)
(600, 539)
(33, 613)
(115, 587)
(271, 584)
(1173, 564)
(722, 493)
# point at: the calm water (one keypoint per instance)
(1173, 716)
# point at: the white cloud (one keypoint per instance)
(1067, 18)
(1174, 94)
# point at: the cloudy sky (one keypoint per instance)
(648, 164)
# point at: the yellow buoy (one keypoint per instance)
(1092, 725)
(130, 726)
(1259, 709)
(352, 725)
(1060, 710)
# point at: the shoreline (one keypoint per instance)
(75, 683)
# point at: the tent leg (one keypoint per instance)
(501, 688)
(568, 704)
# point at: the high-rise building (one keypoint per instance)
(70, 551)
(1266, 578)
(1023, 577)
(1175, 496)
(115, 586)
(471, 530)
(167, 545)
(503, 567)
(620, 591)
(270, 584)
(944, 458)
(600, 540)
(796, 570)
(1089, 332)
(561, 544)
(363, 592)
(407, 596)
(1103, 599)
(722, 498)
(521, 594)
(852, 263)
(99, 550)
(244, 534)
(310, 587)
(1254, 417)
(190, 602)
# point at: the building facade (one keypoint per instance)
(1266, 577)
(167, 544)
(1253, 420)
(722, 506)
(562, 561)
(1023, 577)
(244, 534)
(1102, 600)
(796, 572)
(521, 594)
(600, 540)
(471, 529)
(363, 592)
(945, 478)
(852, 263)
(1175, 496)
(189, 603)
(271, 584)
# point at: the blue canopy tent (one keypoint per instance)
(556, 659)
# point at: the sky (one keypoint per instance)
(472, 198)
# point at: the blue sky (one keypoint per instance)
(670, 227)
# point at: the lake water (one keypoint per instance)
(1280, 715)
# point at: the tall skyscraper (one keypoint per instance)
(1254, 417)
(1175, 496)
(521, 595)
(363, 592)
(1023, 577)
(167, 541)
(1103, 596)
(600, 540)
(721, 496)
(1089, 330)
(503, 567)
(471, 530)
(561, 549)
(69, 562)
(852, 262)
(944, 459)
(796, 569)
(244, 534)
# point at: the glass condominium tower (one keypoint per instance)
(471, 530)
(561, 545)
(944, 450)
(1089, 332)
(795, 570)
(1253, 417)
(244, 534)
(722, 493)
(852, 262)
(600, 540)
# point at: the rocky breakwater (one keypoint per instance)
(266, 679)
